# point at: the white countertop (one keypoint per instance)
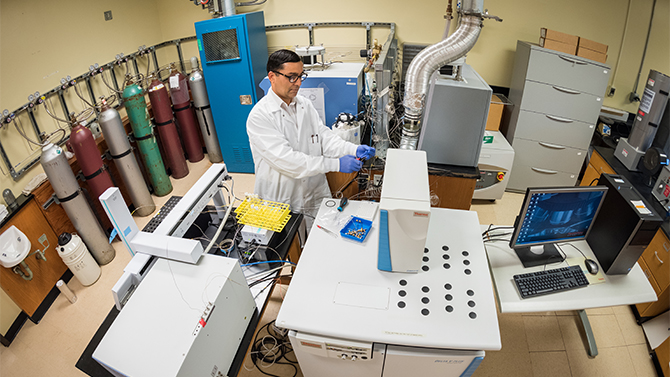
(629, 289)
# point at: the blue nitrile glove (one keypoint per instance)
(363, 151)
(349, 164)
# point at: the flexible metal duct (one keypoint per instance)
(428, 61)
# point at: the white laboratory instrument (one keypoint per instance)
(404, 211)
(661, 190)
(165, 241)
(333, 90)
(254, 234)
(495, 164)
(119, 215)
(183, 320)
(455, 118)
(347, 318)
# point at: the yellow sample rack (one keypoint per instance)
(263, 213)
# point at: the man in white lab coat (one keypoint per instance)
(291, 147)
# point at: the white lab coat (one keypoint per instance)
(291, 159)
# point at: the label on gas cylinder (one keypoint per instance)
(174, 82)
(647, 100)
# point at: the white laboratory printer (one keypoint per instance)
(347, 317)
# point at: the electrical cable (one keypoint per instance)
(494, 239)
(569, 244)
(491, 228)
(280, 347)
(268, 261)
(220, 228)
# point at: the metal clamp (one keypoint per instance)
(53, 199)
(491, 17)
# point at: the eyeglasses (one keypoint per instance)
(293, 78)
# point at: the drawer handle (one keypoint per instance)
(565, 90)
(572, 61)
(659, 259)
(552, 146)
(559, 119)
(545, 171)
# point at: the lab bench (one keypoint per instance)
(452, 186)
(35, 296)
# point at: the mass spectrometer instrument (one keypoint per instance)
(431, 312)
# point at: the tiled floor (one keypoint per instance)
(537, 344)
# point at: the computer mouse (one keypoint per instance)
(591, 266)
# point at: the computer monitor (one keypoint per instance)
(553, 215)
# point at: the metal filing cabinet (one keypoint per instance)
(557, 100)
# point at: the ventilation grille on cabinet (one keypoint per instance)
(221, 45)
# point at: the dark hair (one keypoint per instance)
(277, 59)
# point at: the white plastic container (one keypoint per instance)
(77, 258)
(65, 290)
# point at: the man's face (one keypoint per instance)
(281, 84)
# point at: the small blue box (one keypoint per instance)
(356, 229)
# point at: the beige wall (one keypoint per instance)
(493, 55)
(42, 41)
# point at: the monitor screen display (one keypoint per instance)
(556, 214)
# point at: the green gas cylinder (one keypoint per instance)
(136, 108)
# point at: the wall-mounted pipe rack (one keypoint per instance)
(16, 170)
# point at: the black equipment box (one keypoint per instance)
(624, 227)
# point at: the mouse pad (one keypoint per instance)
(593, 279)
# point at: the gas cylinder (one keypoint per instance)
(65, 186)
(136, 108)
(204, 112)
(167, 130)
(119, 148)
(181, 105)
(95, 172)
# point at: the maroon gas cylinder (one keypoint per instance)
(84, 147)
(181, 105)
(167, 130)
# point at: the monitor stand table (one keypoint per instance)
(617, 290)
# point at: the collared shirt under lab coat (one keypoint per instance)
(292, 151)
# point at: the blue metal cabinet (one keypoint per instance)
(234, 53)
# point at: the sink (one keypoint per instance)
(14, 247)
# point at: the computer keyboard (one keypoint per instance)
(550, 281)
